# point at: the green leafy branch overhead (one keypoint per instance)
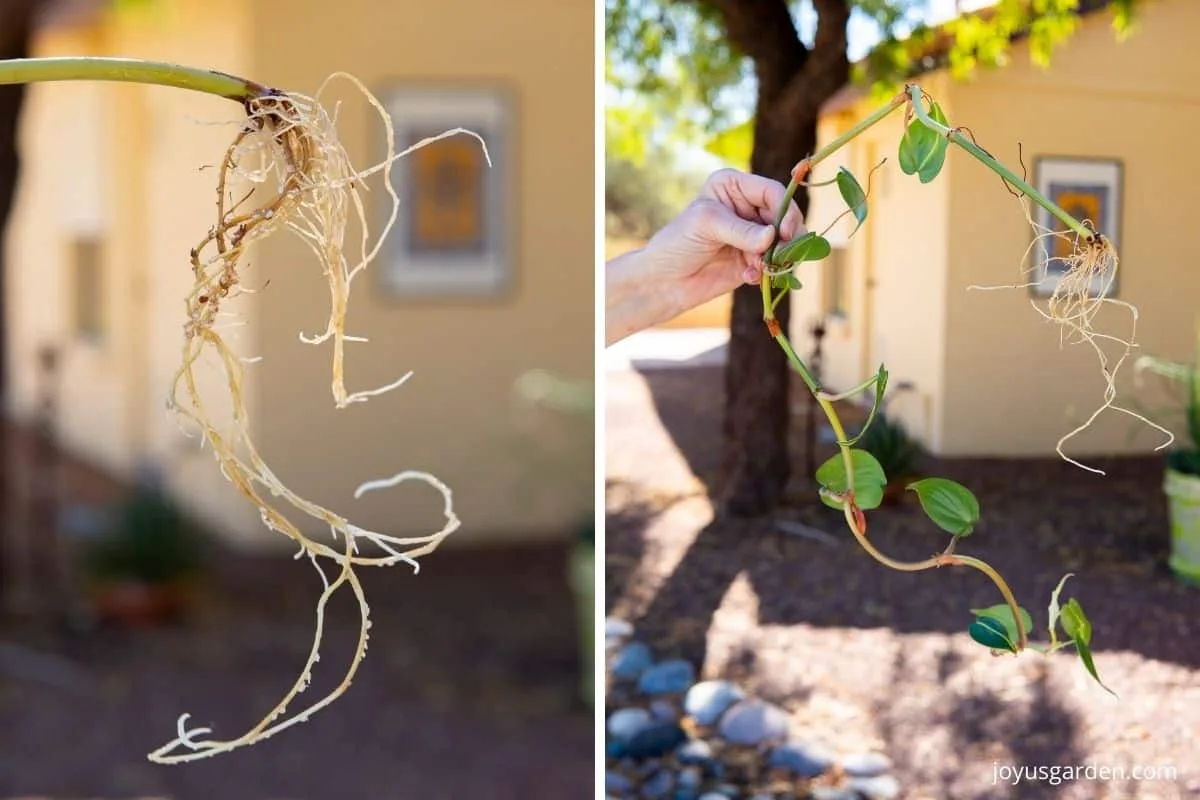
(676, 58)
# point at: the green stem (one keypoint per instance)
(915, 93)
(824, 153)
(862, 387)
(131, 70)
(1002, 585)
(867, 122)
(912, 97)
(839, 431)
(775, 302)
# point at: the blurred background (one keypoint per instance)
(136, 584)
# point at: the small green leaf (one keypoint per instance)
(1054, 610)
(881, 379)
(853, 194)
(1085, 655)
(1075, 622)
(806, 247)
(786, 280)
(869, 479)
(950, 505)
(937, 159)
(915, 146)
(990, 633)
(1003, 614)
(922, 149)
(1077, 626)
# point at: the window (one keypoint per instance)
(453, 233)
(87, 288)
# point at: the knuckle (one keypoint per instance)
(706, 210)
(720, 176)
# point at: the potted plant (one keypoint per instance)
(896, 451)
(1182, 480)
(142, 570)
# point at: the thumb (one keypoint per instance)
(750, 237)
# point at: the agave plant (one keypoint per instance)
(896, 451)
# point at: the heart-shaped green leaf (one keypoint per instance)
(991, 634)
(806, 247)
(787, 280)
(1076, 623)
(950, 505)
(1002, 614)
(922, 149)
(853, 194)
(1077, 626)
(869, 480)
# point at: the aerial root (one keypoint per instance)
(304, 182)
(1084, 280)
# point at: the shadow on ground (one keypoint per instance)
(470, 689)
(848, 645)
(1043, 518)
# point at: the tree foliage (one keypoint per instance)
(675, 57)
(641, 196)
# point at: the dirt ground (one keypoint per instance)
(470, 689)
(865, 657)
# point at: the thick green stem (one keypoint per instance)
(839, 432)
(824, 153)
(956, 136)
(1002, 585)
(912, 97)
(869, 121)
(130, 70)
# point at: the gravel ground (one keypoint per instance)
(470, 690)
(865, 657)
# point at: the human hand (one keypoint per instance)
(714, 246)
(717, 243)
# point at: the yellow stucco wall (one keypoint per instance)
(453, 417)
(1010, 389)
(896, 273)
(126, 160)
(988, 372)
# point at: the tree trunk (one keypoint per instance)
(793, 82)
(756, 463)
(16, 29)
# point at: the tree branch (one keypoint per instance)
(764, 31)
(827, 68)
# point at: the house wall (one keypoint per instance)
(896, 267)
(454, 417)
(122, 162)
(126, 161)
(1010, 389)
